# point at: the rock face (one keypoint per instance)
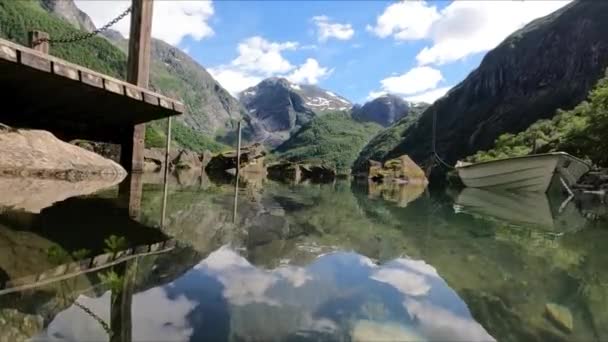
(385, 110)
(68, 11)
(34, 153)
(294, 173)
(277, 107)
(551, 63)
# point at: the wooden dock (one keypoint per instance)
(42, 91)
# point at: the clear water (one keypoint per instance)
(332, 262)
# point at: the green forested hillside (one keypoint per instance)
(581, 131)
(17, 17)
(333, 139)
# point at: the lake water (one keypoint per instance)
(331, 262)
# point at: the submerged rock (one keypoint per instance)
(39, 154)
(560, 316)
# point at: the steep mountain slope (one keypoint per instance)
(277, 107)
(211, 111)
(334, 139)
(551, 63)
(386, 109)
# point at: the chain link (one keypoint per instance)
(101, 322)
(79, 37)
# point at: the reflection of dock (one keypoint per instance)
(76, 268)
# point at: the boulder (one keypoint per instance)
(560, 316)
(39, 154)
(187, 159)
(318, 173)
(250, 155)
(398, 170)
(285, 172)
(107, 150)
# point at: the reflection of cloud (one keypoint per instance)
(244, 283)
(294, 275)
(439, 324)
(418, 266)
(408, 283)
(73, 324)
(365, 331)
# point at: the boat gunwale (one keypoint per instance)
(564, 154)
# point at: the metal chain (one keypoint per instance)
(101, 322)
(79, 37)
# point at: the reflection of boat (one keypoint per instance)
(525, 208)
(527, 173)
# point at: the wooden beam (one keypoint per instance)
(38, 41)
(138, 73)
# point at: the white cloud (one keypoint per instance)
(172, 20)
(469, 27)
(415, 80)
(429, 96)
(327, 29)
(259, 55)
(259, 58)
(309, 73)
(232, 80)
(408, 283)
(405, 20)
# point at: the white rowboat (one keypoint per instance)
(527, 173)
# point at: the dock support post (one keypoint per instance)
(166, 176)
(38, 41)
(138, 73)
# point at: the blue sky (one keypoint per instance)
(359, 49)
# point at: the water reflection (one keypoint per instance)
(308, 262)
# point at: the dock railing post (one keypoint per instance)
(38, 41)
(166, 176)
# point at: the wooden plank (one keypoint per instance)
(114, 87)
(165, 103)
(65, 71)
(178, 107)
(91, 79)
(133, 92)
(151, 98)
(8, 53)
(35, 61)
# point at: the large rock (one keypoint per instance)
(251, 156)
(551, 63)
(285, 172)
(35, 153)
(187, 159)
(400, 170)
(318, 173)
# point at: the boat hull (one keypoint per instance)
(527, 173)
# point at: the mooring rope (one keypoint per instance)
(434, 143)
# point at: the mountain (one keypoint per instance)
(386, 109)
(277, 107)
(334, 139)
(211, 112)
(551, 63)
